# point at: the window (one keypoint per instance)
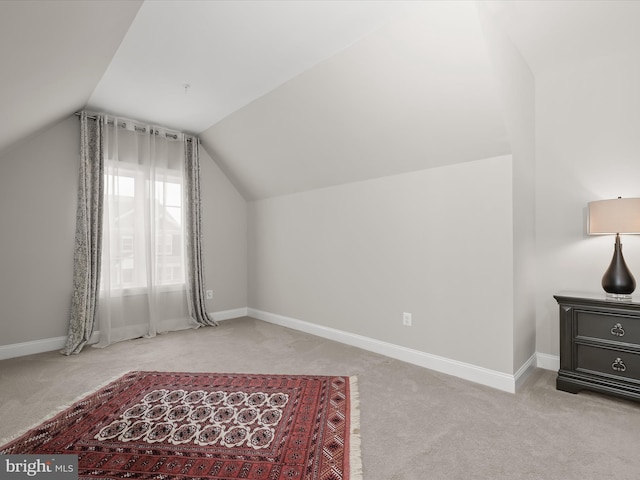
(126, 244)
(135, 207)
(164, 244)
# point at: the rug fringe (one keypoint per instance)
(355, 457)
(11, 438)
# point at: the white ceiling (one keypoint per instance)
(553, 33)
(291, 95)
(52, 55)
(416, 93)
(229, 52)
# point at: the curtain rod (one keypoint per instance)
(137, 128)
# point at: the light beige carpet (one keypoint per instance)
(415, 424)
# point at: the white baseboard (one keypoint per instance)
(58, 343)
(30, 348)
(229, 314)
(474, 373)
(525, 370)
(38, 346)
(548, 362)
(484, 376)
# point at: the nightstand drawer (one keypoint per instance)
(616, 328)
(599, 344)
(609, 362)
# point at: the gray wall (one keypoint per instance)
(224, 242)
(436, 243)
(38, 183)
(587, 148)
(517, 93)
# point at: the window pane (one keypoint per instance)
(174, 194)
(126, 186)
(128, 209)
(175, 213)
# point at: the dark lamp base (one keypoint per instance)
(618, 280)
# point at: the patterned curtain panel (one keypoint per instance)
(87, 253)
(195, 274)
(138, 255)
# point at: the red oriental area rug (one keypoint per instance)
(168, 425)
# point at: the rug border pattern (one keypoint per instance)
(352, 443)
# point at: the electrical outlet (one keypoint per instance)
(209, 294)
(406, 319)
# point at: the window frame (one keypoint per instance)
(141, 183)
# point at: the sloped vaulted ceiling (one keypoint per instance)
(52, 55)
(290, 95)
(416, 93)
(229, 52)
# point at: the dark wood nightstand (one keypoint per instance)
(599, 344)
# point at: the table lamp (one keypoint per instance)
(616, 216)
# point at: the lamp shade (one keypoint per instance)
(619, 215)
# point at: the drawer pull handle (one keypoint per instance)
(617, 330)
(618, 365)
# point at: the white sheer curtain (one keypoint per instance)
(142, 287)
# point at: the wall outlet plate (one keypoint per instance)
(406, 319)
(209, 294)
